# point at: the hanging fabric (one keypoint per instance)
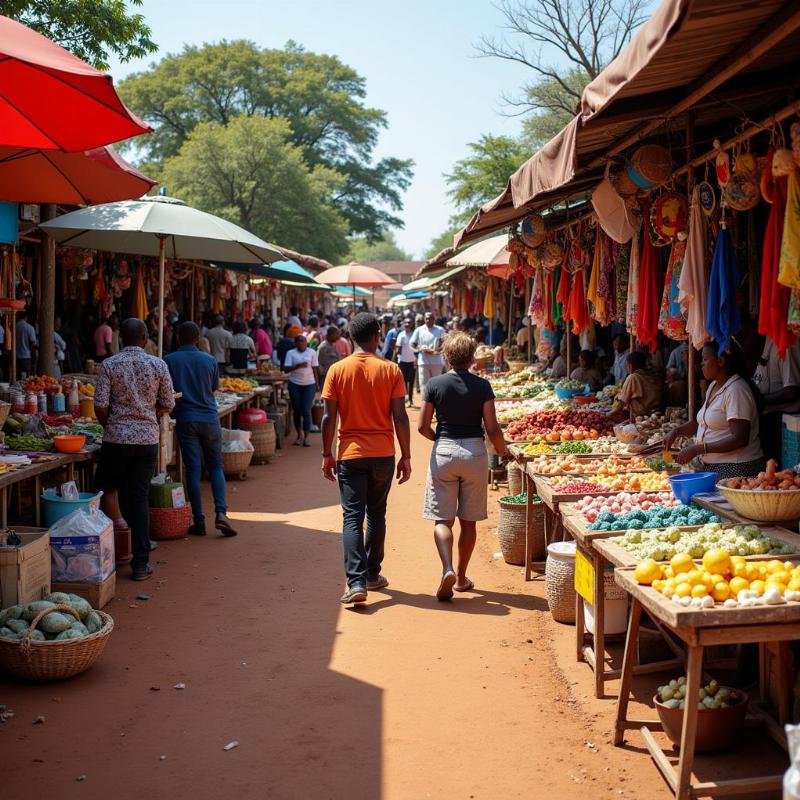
(605, 283)
(139, 308)
(488, 300)
(789, 268)
(722, 315)
(621, 267)
(649, 294)
(671, 321)
(693, 280)
(632, 303)
(598, 303)
(579, 310)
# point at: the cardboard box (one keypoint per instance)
(98, 594)
(25, 570)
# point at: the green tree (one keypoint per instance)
(385, 249)
(444, 239)
(93, 30)
(552, 107)
(321, 98)
(483, 174)
(251, 173)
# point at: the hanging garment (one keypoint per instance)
(621, 266)
(605, 283)
(774, 306)
(579, 309)
(488, 300)
(722, 315)
(139, 308)
(598, 303)
(649, 294)
(632, 303)
(693, 280)
(671, 321)
(557, 312)
(789, 268)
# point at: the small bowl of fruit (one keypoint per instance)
(720, 716)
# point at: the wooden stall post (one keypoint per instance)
(48, 303)
(691, 355)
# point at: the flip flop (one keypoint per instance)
(469, 587)
(445, 590)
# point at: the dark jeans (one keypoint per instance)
(409, 370)
(128, 468)
(364, 485)
(302, 398)
(24, 366)
(202, 441)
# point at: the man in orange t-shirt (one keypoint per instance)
(367, 394)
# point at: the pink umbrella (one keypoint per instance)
(355, 274)
(51, 100)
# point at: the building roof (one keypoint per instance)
(395, 267)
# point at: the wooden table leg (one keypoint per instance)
(694, 676)
(580, 628)
(629, 659)
(528, 524)
(599, 625)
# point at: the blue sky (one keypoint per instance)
(418, 59)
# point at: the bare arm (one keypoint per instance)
(738, 437)
(328, 431)
(425, 420)
(316, 377)
(403, 430)
(687, 429)
(492, 427)
(101, 414)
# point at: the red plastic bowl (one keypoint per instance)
(584, 399)
(69, 444)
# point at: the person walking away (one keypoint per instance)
(365, 393)
(260, 339)
(387, 326)
(406, 359)
(426, 342)
(103, 337)
(26, 344)
(391, 338)
(241, 349)
(219, 340)
(294, 317)
(343, 346)
(285, 344)
(456, 483)
(195, 375)
(726, 428)
(327, 354)
(312, 334)
(302, 365)
(133, 389)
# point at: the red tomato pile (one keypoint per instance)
(560, 426)
(580, 487)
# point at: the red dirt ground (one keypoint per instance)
(403, 699)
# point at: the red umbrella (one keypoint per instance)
(51, 100)
(50, 176)
(355, 274)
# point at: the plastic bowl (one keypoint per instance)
(585, 399)
(69, 444)
(566, 394)
(686, 485)
(717, 728)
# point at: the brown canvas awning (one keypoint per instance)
(721, 59)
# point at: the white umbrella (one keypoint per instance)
(163, 227)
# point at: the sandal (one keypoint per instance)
(468, 587)
(298, 442)
(306, 443)
(445, 590)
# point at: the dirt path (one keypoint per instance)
(406, 698)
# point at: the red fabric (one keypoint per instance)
(579, 309)
(49, 99)
(564, 291)
(774, 304)
(649, 293)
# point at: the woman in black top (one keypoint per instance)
(456, 484)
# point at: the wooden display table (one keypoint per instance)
(699, 629)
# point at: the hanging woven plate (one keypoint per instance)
(741, 193)
(668, 217)
(532, 230)
(708, 198)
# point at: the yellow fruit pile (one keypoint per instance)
(235, 385)
(540, 449)
(722, 578)
(635, 482)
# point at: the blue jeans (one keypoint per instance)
(364, 485)
(302, 398)
(202, 441)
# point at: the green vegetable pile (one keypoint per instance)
(653, 517)
(55, 626)
(28, 442)
(573, 448)
(659, 465)
(519, 499)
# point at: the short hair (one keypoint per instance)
(254, 324)
(313, 321)
(239, 326)
(637, 360)
(299, 337)
(363, 327)
(188, 333)
(429, 314)
(588, 357)
(459, 349)
(332, 330)
(218, 320)
(293, 311)
(132, 332)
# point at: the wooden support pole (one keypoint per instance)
(48, 299)
(530, 321)
(691, 354)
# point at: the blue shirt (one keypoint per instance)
(196, 375)
(388, 345)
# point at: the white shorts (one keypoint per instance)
(456, 484)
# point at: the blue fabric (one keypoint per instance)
(388, 345)
(722, 313)
(202, 441)
(196, 375)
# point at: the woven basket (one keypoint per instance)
(778, 506)
(536, 531)
(5, 409)
(236, 463)
(652, 164)
(54, 661)
(514, 478)
(560, 583)
(170, 523)
(511, 531)
(262, 437)
(516, 366)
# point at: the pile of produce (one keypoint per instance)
(570, 486)
(237, 384)
(39, 383)
(16, 422)
(673, 695)
(571, 385)
(266, 367)
(571, 465)
(519, 499)
(87, 389)
(558, 425)
(574, 447)
(654, 517)
(722, 578)
(507, 411)
(650, 429)
(635, 482)
(55, 626)
(523, 390)
(771, 480)
(610, 445)
(592, 507)
(28, 442)
(660, 464)
(542, 449)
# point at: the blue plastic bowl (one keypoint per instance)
(565, 394)
(687, 485)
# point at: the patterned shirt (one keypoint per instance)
(132, 384)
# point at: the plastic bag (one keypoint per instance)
(234, 441)
(791, 779)
(82, 547)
